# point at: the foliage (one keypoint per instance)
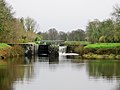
(53, 34)
(16, 50)
(79, 50)
(76, 35)
(14, 30)
(105, 31)
(10, 51)
(62, 36)
(100, 31)
(30, 24)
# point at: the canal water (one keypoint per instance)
(62, 73)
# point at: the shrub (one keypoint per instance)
(79, 50)
(17, 50)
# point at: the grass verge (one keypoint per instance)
(103, 45)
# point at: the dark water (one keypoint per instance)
(59, 74)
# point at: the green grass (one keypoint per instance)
(103, 45)
(76, 43)
(3, 46)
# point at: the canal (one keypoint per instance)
(63, 73)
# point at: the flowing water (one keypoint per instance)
(62, 51)
(63, 73)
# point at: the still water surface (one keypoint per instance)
(43, 73)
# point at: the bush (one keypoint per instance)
(102, 39)
(79, 50)
(17, 50)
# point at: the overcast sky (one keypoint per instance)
(64, 15)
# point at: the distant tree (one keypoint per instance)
(116, 17)
(116, 13)
(77, 35)
(53, 34)
(30, 24)
(62, 36)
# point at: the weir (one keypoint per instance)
(44, 50)
(62, 51)
(53, 51)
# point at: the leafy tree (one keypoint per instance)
(53, 34)
(93, 31)
(31, 25)
(101, 31)
(76, 35)
(116, 16)
(62, 36)
(6, 17)
(107, 30)
(116, 13)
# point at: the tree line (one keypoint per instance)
(15, 30)
(21, 30)
(53, 34)
(107, 30)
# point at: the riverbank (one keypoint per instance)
(10, 51)
(96, 51)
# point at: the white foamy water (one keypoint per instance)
(62, 51)
(68, 54)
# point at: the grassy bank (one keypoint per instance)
(103, 45)
(10, 51)
(4, 46)
(98, 50)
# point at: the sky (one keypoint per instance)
(64, 15)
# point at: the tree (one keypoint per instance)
(77, 35)
(31, 25)
(93, 31)
(116, 13)
(101, 31)
(62, 36)
(6, 17)
(53, 34)
(116, 16)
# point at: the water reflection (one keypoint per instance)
(42, 71)
(107, 69)
(15, 70)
